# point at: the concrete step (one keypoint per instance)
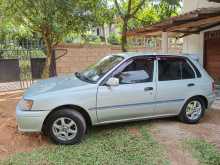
(216, 104)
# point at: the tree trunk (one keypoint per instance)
(104, 34)
(49, 51)
(124, 35)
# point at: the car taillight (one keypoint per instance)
(213, 87)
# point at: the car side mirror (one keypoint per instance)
(113, 81)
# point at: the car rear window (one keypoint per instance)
(198, 74)
(174, 69)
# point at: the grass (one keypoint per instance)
(206, 153)
(108, 145)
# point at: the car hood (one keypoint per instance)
(54, 84)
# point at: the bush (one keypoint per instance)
(93, 39)
(114, 39)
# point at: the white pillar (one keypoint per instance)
(165, 42)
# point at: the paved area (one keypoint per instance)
(218, 93)
(8, 86)
(13, 86)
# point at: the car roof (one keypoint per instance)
(127, 55)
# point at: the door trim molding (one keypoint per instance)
(136, 104)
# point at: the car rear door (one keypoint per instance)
(175, 83)
(133, 97)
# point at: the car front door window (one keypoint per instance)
(136, 71)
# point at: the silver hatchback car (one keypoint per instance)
(119, 88)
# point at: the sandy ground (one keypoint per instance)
(171, 133)
(12, 141)
(168, 132)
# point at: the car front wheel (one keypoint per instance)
(192, 111)
(66, 126)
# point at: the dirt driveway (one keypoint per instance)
(11, 141)
(171, 134)
(168, 132)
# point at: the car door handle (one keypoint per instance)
(191, 84)
(148, 89)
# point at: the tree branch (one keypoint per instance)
(118, 8)
(129, 8)
(138, 7)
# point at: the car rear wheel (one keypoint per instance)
(66, 127)
(192, 111)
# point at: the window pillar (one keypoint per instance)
(165, 42)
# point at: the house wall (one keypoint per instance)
(72, 57)
(189, 5)
(193, 44)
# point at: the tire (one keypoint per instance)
(66, 127)
(186, 114)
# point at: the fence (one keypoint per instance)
(21, 62)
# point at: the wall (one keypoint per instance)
(189, 5)
(193, 44)
(78, 57)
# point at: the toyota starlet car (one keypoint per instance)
(118, 88)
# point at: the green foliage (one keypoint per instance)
(107, 145)
(86, 38)
(154, 11)
(167, 8)
(114, 39)
(205, 152)
(104, 13)
(13, 50)
(51, 18)
(72, 38)
(92, 39)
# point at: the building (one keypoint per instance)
(206, 44)
(199, 26)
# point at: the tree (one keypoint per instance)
(156, 10)
(126, 11)
(51, 19)
(139, 13)
(167, 8)
(104, 15)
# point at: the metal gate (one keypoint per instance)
(21, 63)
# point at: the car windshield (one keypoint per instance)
(96, 71)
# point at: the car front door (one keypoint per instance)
(133, 97)
(175, 83)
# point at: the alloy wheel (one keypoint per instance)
(64, 128)
(193, 110)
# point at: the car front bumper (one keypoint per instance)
(30, 121)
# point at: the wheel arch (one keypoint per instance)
(79, 109)
(205, 100)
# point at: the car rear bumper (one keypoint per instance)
(211, 99)
(30, 121)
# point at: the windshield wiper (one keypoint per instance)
(83, 78)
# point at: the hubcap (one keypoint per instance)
(193, 110)
(64, 128)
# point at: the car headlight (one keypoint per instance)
(26, 104)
